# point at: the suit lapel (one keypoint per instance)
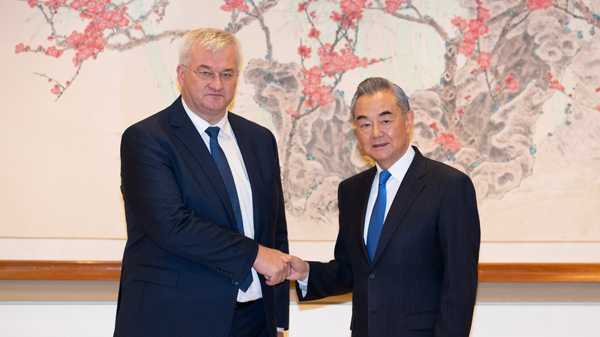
(409, 190)
(249, 159)
(189, 136)
(362, 193)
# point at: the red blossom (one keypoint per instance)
(598, 89)
(32, 3)
(138, 27)
(19, 48)
(230, 5)
(467, 49)
(314, 33)
(483, 13)
(459, 111)
(534, 5)
(556, 85)
(549, 76)
(434, 126)
(511, 83)
(598, 107)
(393, 5)
(460, 22)
(292, 112)
(470, 36)
(304, 51)
(484, 60)
(53, 3)
(52, 51)
(448, 141)
(302, 6)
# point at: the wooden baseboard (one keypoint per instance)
(111, 270)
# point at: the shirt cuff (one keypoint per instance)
(280, 329)
(303, 284)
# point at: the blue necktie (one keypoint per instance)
(378, 214)
(223, 166)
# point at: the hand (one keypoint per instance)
(273, 264)
(279, 334)
(300, 269)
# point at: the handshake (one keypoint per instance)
(278, 267)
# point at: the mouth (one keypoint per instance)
(378, 146)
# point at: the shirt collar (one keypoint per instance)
(201, 125)
(400, 167)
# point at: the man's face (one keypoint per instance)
(382, 130)
(208, 98)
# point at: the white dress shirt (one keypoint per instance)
(398, 171)
(228, 143)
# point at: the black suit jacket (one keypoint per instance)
(184, 259)
(423, 278)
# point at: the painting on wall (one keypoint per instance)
(506, 91)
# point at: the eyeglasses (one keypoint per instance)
(209, 77)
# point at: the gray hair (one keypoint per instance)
(376, 84)
(213, 39)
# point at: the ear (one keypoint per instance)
(180, 71)
(410, 118)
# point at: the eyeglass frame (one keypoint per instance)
(212, 75)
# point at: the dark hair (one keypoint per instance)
(376, 84)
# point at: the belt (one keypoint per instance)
(242, 305)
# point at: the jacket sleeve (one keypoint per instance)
(335, 277)
(460, 239)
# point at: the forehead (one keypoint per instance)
(223, 58)
(374, 104)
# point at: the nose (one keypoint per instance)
(216, 83)
(376, 131)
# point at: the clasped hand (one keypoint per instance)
(277, 266)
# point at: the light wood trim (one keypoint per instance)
(111, 270)
(59, 270)
(539, 272)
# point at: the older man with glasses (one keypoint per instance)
(207, 238)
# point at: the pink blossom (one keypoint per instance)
(55, 90)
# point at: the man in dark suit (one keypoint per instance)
(204, 208)
(408, 243)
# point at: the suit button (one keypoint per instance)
(372, 276)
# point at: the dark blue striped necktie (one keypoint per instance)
(223, 166)
(378, 215)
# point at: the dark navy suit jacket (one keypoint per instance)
(184, 259)
(423, 278)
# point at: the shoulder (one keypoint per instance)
(359, 179)
(251, 129)
(159, 122)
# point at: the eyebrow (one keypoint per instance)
(381, 114)
(209, 68)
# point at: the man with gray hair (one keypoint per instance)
(207, 237)
(408, 242)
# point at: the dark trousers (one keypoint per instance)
(250, 321)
